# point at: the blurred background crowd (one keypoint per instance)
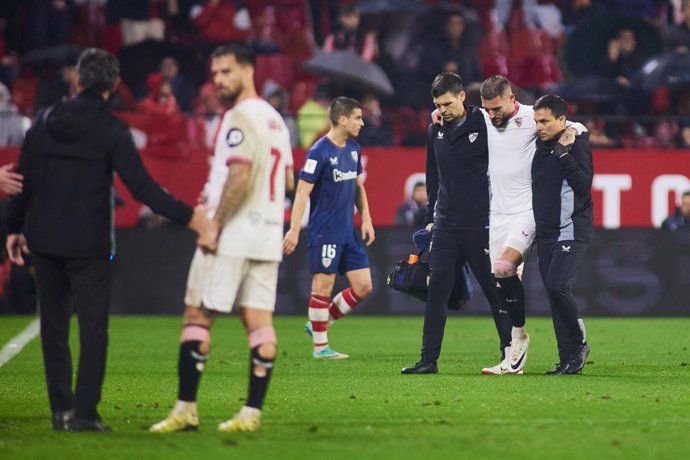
(623, 65)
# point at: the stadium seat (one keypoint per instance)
(277, 67)
(24, 94)
(301, 91)
(526, 43)
(494, 64)
(539, 72)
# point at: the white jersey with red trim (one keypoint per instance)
(252, 132)
(511, 150)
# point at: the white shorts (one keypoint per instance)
(220, 282)
(513, 230)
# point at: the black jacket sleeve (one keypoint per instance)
(431, 177)
(577, 166)
(127, 163)
(18, 203)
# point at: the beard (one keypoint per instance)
(500, 122)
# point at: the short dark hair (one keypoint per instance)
(98, 70)
(446, 82)
(495, 86)
(243, 54)
(552, 102)
(686, 193)
(342, 107)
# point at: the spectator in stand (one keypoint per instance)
(623, 58)
(9, 64)
(680, 220)
(56, 85)
(603, 135)
(162, 101)
(205, 123)
(312, 117)
(49, 22)
(541, 14)
(181, 86)
(412, 211)
(13, 124)
(683, 136)
(377, 131)
(347, 35)
(277, 96)
(140, 20)
(453, 52)
(221, 21)
(679, 35)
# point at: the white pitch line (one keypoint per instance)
(15, 345)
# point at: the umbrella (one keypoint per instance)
(349, 69)
(667, 69)
(586, 46)
(589, 89)
(65, 54)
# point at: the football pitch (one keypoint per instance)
(632, 401)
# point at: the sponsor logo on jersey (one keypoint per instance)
(518, 121)
(565, 248)
(486, 251)
(439, 135)
(234, 137)
(354, 154)
(473, 137)
(310, 166)
(524, 233)
(334, 160)
(340, 176)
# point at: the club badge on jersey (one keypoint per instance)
(234, 137)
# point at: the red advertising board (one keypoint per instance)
(630, 188)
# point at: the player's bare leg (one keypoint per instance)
(317, 326)
(195, 345)
(263, 345)
(506, 270)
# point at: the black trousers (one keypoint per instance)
(450, 249)
(558, 263)
(83, 286)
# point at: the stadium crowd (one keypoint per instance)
(589, 51)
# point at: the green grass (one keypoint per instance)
(633, 400)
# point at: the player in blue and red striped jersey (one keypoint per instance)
(332, 180)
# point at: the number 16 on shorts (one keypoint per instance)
(328, 253)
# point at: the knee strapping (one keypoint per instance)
(262, 335)
(504, 268)
(199, 332)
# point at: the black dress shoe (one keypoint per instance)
(62, 420)
(89, 424)
(577, 359)
(422, 367)
(558, 370)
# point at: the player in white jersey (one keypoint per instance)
(512, 140)
(245, 194)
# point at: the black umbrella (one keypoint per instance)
(587, 45)
(667, 69)
(65, 54)
(348, 69)
(589, 89)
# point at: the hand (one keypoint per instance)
(10, 181)
(429, 227)
(368, 233)
(290, 241)
(436, 118)
(16, 245)
(565, 142)
(614, 50)
(207, 229)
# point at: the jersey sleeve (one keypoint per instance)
(313, 165)
(239, 139)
